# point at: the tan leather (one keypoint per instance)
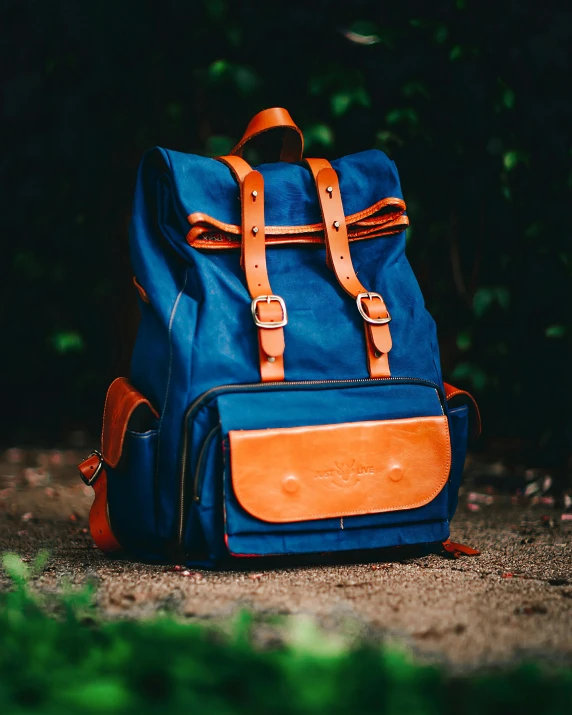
(121, 402)
(142, 293)
(274, 118)
(378, 337)
(99, 524)
(459, 550)
(453, 392)
(385, 217)
(204, 236)
(253, 261)
(302, 473)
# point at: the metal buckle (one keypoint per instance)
(268, 298)
(365, 316)
(89, 481)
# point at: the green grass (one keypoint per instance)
(57, 657)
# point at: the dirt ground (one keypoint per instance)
(512, 601)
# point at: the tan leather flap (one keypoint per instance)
(383, 218)
(302, 473)
(120, 405)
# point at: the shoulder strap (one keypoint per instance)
(370, 305)
(268, 310)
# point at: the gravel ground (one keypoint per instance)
(513, 601)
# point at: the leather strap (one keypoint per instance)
(458, 550)
(275, 118)
(99, 524)
(378, 337)
(269, 309)
(452, 392)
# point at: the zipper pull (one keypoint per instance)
(458, 550)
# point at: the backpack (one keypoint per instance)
(285, 395)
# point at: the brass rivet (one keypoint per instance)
(330, 190)
(271, 359)
(254, 194)
(255, 230)
(336, 224)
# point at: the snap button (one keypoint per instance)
(395, 473)
(290, 485)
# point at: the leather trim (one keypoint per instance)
(142, 293)
(99, 524)
(302, 473)
(465, 397)
(366, 217)
(121, 402)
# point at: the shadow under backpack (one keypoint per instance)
(285, 395)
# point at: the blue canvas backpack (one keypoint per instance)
(286, 395)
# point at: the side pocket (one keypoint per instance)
(130, 490)
(459, 430)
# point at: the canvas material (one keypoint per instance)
(197, 332)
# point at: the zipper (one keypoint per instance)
(208, 394)
(197, 482)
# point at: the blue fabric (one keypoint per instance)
(197, 333)
(130, 491)
(197, 184)
(459, 427)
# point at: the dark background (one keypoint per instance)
(471, 99)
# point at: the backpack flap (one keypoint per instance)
(197, 197)
(332, 471)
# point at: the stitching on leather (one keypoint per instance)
(443, 481)
(225, 244)
(199, 217)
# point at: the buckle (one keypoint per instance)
(268, 299)
(89, 481)
(365, 316)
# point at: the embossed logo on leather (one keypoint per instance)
(345, 474)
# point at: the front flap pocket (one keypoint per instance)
(322, 471)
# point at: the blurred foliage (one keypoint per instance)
(58, 657)
(470, 103)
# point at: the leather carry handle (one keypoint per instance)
(275, 118)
